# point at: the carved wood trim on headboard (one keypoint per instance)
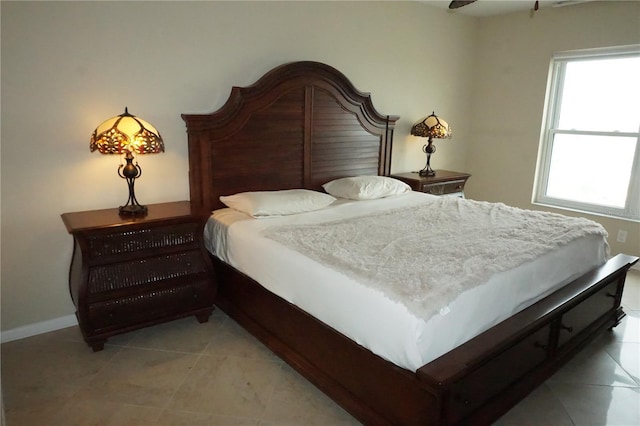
(299, 126)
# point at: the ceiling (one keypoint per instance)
(482, 8)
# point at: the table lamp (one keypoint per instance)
(127, 134)
(430, 127)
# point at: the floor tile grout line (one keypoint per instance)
(125, 346)
(182, 382)
(627, 372)
(72, 397)
(147, 348)
(204, 353)
(564, 407)
(190, 372)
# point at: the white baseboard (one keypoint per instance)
(38, 328)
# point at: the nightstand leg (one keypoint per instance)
(204, 316)
(97, 345)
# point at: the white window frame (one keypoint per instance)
(549, 129)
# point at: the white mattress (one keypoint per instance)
(366, 315)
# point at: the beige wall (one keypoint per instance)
(68, 66)
(509, 93)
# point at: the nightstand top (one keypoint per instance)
(106, 218)
(441, 176)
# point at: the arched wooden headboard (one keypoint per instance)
(299, 126)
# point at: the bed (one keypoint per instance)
(304, 124)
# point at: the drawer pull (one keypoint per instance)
(611, 295)
(461, 399)
(541, 346)
(564, 327)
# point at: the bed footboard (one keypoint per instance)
(473, 384)
(483, 378)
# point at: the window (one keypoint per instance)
(590, 144)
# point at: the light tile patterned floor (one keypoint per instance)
(190, 374)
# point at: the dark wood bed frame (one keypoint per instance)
(303, 124)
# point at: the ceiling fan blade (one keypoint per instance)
(457, 4)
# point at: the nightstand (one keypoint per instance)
(444, 182)
(129, 273)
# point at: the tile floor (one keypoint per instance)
(185, 373)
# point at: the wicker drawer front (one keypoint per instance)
(149, 306)
(443, 188)
(138, 272)
(435, 189)
(578, 318)
(497, 375)
(453, 187)
(133, 240)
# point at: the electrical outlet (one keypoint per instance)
(622, 236)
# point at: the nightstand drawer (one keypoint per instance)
(128, 241)
(444, 182)
(443, 188)
(148, 271)
(143, 307)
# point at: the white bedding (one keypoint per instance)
(365, 314)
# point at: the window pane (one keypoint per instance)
(591, 169)
(601, 95)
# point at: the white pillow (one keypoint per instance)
(277, 203)
(365, 187)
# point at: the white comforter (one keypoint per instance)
(406, 333)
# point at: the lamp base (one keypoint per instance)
(428, 149)
(130, 173)
(132, 210)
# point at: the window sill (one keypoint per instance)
(584, 211)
